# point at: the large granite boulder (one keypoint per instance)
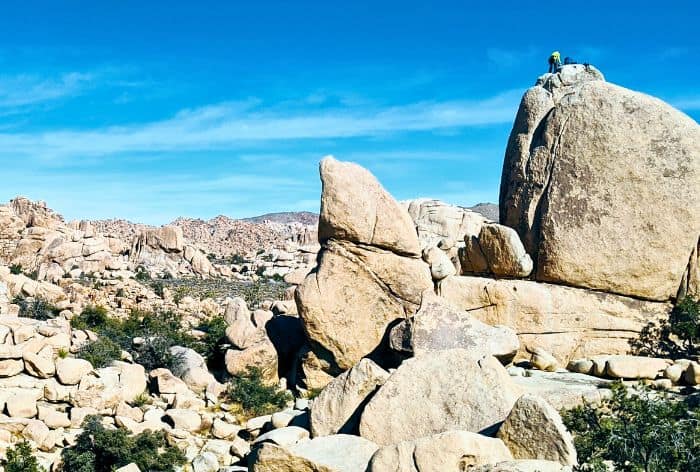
(565, 321)
(442, 391)
(369, 271)
(534, 430)
(337, 409)
(438, 326)
(451, 451)
(436, 221)
(337, 453)
(356, 208)
(602, 184)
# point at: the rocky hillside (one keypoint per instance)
(303, 217)
(415, 336)
(224, 237)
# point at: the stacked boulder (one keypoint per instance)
(369, 274)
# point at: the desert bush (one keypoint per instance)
(16, 269)
(36, 308)
(237, 259)
(142, 274)
(254, 397)
(98, 449)
(639, 431)
(678, 337)
(92, 317)
(215, 332)
(159, 330)
(20, 459)
(101, 352)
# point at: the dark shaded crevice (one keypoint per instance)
(543, 203)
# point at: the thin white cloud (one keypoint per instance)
(24, 90)
(228, 125)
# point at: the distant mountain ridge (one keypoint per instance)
(284, 217)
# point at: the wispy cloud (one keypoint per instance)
(24, 90)
(227, 125)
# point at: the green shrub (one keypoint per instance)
(215, 332)
(92, 317)
(636, 432)
(100, 353)
(160, 331)
(158, 288)
(36, 308)
(98, 449)
(16, 269)
(142, 274)
(142, 399)
(678, 337)
(254, 397)
(684, 322)
(20, 459)
(237, 259)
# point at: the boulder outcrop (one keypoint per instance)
(446, 390)
(568, 322)
(601, 184)
(369, 271)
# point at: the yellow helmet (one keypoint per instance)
(556, 55)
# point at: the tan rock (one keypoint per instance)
(523, 466)
(39, 365)
(52, 418)
(543, 360)
(69, 371)
(261, 355)
(356, 208)
(78, 415)
(11, 367)
(445, 390)
(503, 251)
(441, 265)
(436, 221)
(337, 408)
(345, 305)
(337, 453)
(439, 326)
(586, 168)
(567, 322)
(444, 452)
(21, 406)
(129, 468)
(187, 420)
(635, 367)
(534, 430)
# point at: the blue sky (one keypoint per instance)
(152, 110)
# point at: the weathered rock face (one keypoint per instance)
(451, 451)
(438, 326)
(436, 220)
(534, 430)
(601, 184)
(446, 390)
(337, 409)
(356, 208)
(369, 271)
(500, 248)
(337, 453)
(568, 322)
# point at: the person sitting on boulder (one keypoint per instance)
(569, 60)
(554, 62)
